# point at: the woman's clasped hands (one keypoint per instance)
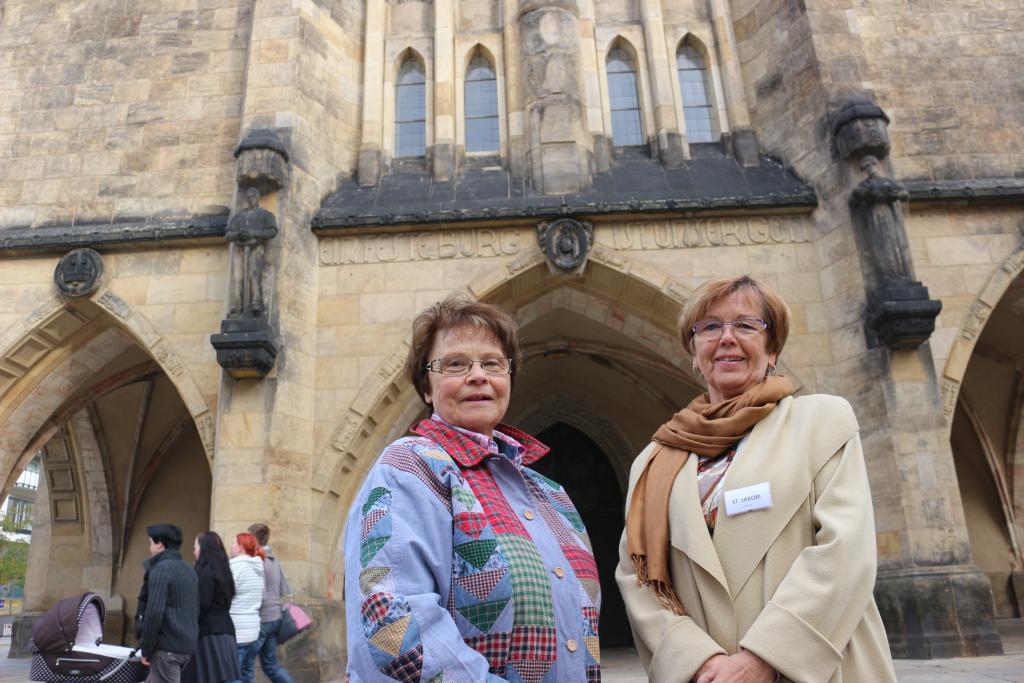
(742, 667)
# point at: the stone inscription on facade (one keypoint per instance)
(707, 232)
(420, 246)
(949, 391)
(454, 244)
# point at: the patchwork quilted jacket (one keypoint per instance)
(464, 565)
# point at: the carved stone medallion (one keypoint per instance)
(79, 273)
(566, 243)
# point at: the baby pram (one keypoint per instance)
(67, 646)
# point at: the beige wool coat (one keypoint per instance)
(791, 583)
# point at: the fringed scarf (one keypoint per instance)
(704, 428)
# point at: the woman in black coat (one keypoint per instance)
(216, 658)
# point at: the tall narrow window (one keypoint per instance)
(481, 106)
(625, 103)
(411, 110)
(693, 84)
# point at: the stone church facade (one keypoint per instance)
(584, 164)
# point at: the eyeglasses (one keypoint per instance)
(745, 328)
(462, 366)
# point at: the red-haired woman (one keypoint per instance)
(247, 570)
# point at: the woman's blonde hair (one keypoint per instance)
(773, 308)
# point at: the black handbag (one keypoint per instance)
(293, 622)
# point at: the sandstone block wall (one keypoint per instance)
(943, 71)
(117, 110)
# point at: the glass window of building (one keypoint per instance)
(481, 106)
(411, 110)
(29, 477)
(693, 84)
(624, 99)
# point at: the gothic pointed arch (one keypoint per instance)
(481, 107)
(622, 69)
(410, 119)
(982, 394)
(39, 349)
(693, 71)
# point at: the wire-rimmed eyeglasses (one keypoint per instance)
(462, 366)
(714, 329)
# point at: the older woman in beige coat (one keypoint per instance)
(749, 549)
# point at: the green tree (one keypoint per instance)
(13, 555)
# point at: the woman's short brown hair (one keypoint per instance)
(774, 309)
(452, 313)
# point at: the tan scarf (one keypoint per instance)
(704, 428)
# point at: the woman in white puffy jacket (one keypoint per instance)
(247, 570)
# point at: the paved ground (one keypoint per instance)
(621, 666)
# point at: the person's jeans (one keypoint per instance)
(165, 667)
(247, 660)
(268, 653)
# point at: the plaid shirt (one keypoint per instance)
(453, 539)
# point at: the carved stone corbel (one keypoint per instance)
(900, 313)
(261, 161)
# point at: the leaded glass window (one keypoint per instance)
(411, 110)
(693, 84)
(481, 106)
(624, 100)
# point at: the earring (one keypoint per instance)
(771, 370)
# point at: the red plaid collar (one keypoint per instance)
(467, 452)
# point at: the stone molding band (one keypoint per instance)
(328, 218)
(65, 237)
(983, 190)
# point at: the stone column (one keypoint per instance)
(513, 89)
(590, 84)
(741, 138)
(668, 140)
(442, 154)
(934, 600)
(370, 155)
(265, 446)
(558, 144)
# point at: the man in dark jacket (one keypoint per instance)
(169, 605)
(274, 585)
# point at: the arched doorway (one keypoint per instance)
(987, 439)
(578, 464)
(595, 390)
(119, 444)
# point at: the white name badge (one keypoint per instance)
(748, 498)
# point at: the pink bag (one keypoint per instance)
(301, 619)
(293, 622)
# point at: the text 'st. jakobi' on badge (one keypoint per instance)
(748, 498)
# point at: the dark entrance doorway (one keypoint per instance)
(583, 469)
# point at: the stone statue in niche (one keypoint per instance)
(249, 230)
(566, 243)
(877, 200)
(901, 314)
